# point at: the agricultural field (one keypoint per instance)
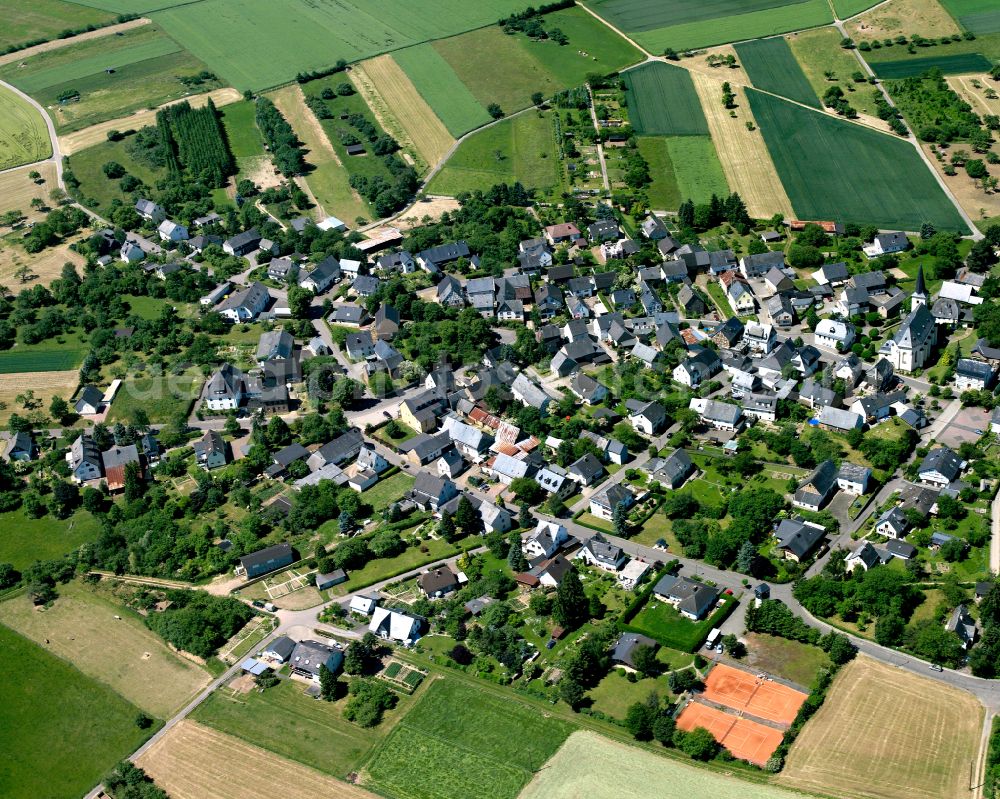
(697, 169)
(287, 722)
(109, 77)
(17, 191)
(26, 540)
(818, 52)
(46, 356)
(888, 20)
(130, 6)
(664, 193)
(44, 19)
(46, 385)
(850, 8)
(502, 743)
(822, 161)
(591, 765)
(24, 137)
(163, 397)
(888, 734)
(978, 16)
(193, 762)
(947, 63)
(441, 88)
(394, 97)
(81, 627)
(523, 148)
(662, 101)
(43, 267)
(772, 67)
(52, 706)
(681, 25)
(742, 151)
(300, 36)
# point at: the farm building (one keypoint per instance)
(265, 560)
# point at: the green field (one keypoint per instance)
(131, 6)
(849, 8)
(385, 492)
(986, 45)
(24, 137)
(771, 67)
(95, 188)
(662, 622)
(241, 129)
(26, 540)
(441, 87)
(833, 169)
(818, 52)
(662, 101)
(682, 25)
(163, 397)
(463, 743)
(44, 19)
(523, 148)
(978, 16)
(663, 192)
(279, 40)
(696, 167)
(286, 721)
(948, 64)
(145, 65)
(46, 356)
(61, 731)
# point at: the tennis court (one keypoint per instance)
(743, 738)
(756, 696)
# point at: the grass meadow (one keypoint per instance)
(51, 355)
(523, 148)
(662, 101)
(239, 120)
(664, 193)
(145, 66)
(682, 25)
(464, 743)
(26, 540)
(95, 188)
(662, 622)
(696, 167)
(818, 52)
(833, 169)
(163, 397)
(985, 46)
(436, 81)
(24, 137)
(53, 709)
(44, 19)
(771, 66)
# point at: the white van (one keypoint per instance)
(713, 638)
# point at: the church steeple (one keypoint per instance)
(919, 296)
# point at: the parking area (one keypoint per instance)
(968, 425)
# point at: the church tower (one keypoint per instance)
(919, 296)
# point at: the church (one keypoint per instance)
(911, 347)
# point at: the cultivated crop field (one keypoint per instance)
(949, 64)
(46, 385)
(279, 40)
(770, 65)
(45, 357)
(682, 25)
(598, 768)
(662, 101)
(44, 19)
(17, 191)
(112, 76)
(43, 267)
(978, 16)
(53, 708)
(825, 162)
(195, 762)
(441, 88)
(523, 148)
(886, 733)
(124, 654)
(696, 167)
(464, 743)
(24, 138)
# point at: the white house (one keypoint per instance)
(600, 553)
(394, 626)
(834, 334)
(885, 243)
(131, 252)
(172, 231)
(363, 604)
(545, 541)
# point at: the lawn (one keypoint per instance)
(662, 101)
(792, 660)
(61, 730)
(385, 492)
(818, 52)
(823, 162)
(280, 40)
(26, 540)
(163, 397)
(520, 149)
(113, 76)
(24, 138)
(682, 25)
(845, 751)
(407, 433)
(978, 16)
(441, 88)
(697, 169)
(95, 188)
(771, 66)
(662, 622)
(958, 64)
(663, 192)
(84, 627)
(286, 721)
(596, 767)
(614, 694)
(21, 23)
(376, 571)
(51, 355)
(463, 743)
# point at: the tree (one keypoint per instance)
(619, 519)
(746, 558)
(571, 691)
(370, 698)
(135, 486)
(570, 606)
(663, 728)
(734, 646)
(467, 517)
(327, 683)
(639, 718)
(645, 662)
(524, 517)
(494, 110)
(516, 560)
(699, 744)
(446, 528)
(58, 408)
(9, 576)
(360, 655)
(537, 98)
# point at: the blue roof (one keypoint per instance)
(254, 666)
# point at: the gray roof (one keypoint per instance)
(694, 597)
(674, 467)
(942, 460)
(722, 412)
(914, 328)
(275, 344)
(819, 484)
(119, 456)
(627, 644)
(588, 467)
(799, 537)
(278, 551)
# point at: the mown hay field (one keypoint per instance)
(884, 733)
(195, 762)
(662, 101)
(24, 138)
(596, 767)
(61, 731)
(772, 67)
(122, 653)
(682, 25)
(833, 169)
(44, 19)
(463, 743)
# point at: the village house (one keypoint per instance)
(604, 502)
(797, 539)
(691, 599)
(597, 552)
(817, 488)
(545, 541)
(309, 657)
(265, 561)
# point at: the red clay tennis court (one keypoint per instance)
(744, 739)
(740, 690)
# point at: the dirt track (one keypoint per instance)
(55, 44)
